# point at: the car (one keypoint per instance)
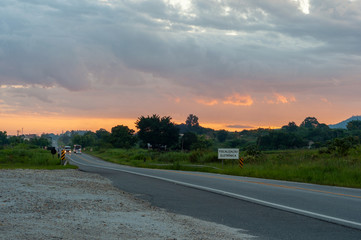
(67, 149)
(77, 149)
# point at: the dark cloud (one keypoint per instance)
(240, 126)
(223, 45)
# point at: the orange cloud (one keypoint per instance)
(325, 100)
(281, 99)
(174, 99)
(238, 100)
(207, 102)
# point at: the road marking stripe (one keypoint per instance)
(323, 217)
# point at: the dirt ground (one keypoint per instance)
(70, 204)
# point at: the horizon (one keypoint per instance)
(91, 64)
(211, 126)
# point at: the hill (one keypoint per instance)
(343, 124)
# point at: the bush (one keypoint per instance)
(203, 157)
(195, 156)
(208, 157)
(140, 156)
(28, 156)
(172, 157)
(342, 146)
(253, 150)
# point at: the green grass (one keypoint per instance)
(26, 156)
(291, 165)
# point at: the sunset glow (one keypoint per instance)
(58, 125)
(239, 100)
(207, 102)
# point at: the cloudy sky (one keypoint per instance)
(236, 64)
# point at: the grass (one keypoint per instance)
(29, 157)
(308, 166)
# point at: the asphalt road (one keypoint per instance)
(264, 208)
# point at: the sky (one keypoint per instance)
(236, 64)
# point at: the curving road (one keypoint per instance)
(268, 209)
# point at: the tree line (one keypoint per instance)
(161, 133)
(42, 141)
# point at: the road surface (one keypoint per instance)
(268, 209)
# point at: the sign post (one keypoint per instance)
(62, 157)
(241, 162)
(228, 153)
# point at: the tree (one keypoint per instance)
(236, 143)
(354, 125)
(103, 135)
(40, 141)
(64, 139)
(222, 135)
(188, 140)
(122, 137)
(202, 143)
(3, 138)
(14, 140)
(192, 121)
(103, 138)
(159, 132)
(310, 122)
(77, 139)
(280, 140)
(291, 127)
(87, 140)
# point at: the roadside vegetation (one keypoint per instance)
(301, 165)
(15, 152)
(310, 152)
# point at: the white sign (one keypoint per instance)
(228, 153)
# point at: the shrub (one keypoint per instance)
(195, 156)
(253, 150)
(209, 157)
(172, 157)
(342, 146)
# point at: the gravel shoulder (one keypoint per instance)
(70, 204)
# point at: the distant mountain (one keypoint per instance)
(343, 124)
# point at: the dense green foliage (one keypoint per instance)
(5, 140)
(20, 152)
(162, 134)
(158, 132)
(188, 140)
(310, 134)
(122, 137)
(26, 155)
(86, 140)
(354, 125)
